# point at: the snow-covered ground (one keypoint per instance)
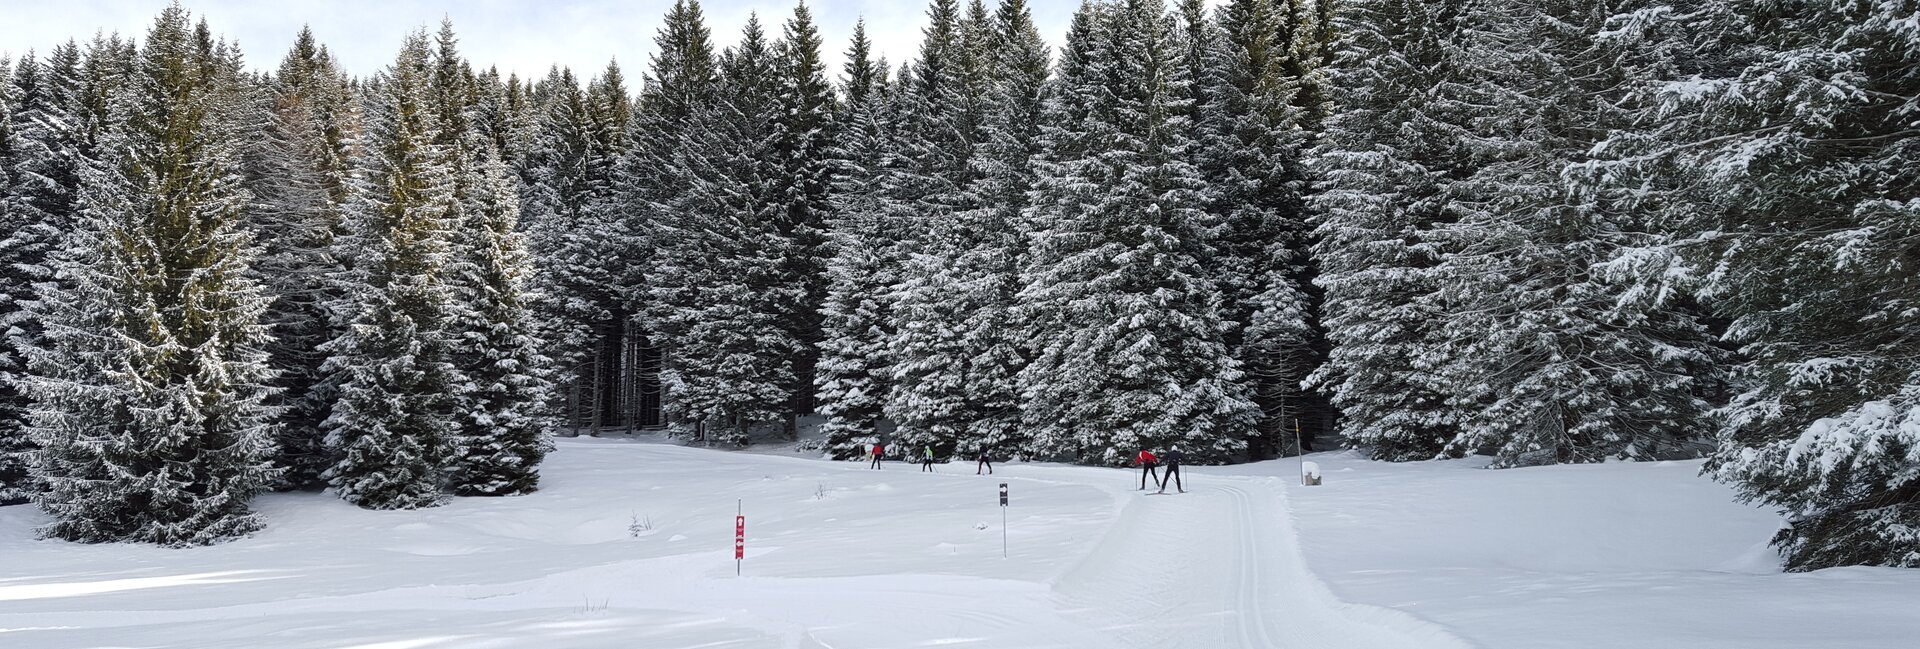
(1589, 557)
(630, 545)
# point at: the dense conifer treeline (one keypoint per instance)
(1546, 232)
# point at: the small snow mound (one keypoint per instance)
(676, 537)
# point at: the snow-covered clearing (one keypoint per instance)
(1586, 557)
(884, 559)
(630, 545)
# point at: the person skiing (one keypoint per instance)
(985, 460)
(878, 450)
(1172, 460)
(1147, 461)
(926, 460)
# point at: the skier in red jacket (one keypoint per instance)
(1147, 462)
(878, 450)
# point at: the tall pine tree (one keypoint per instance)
(851, 380)
(1777, 144)
(391, 429)
(149, 392)
(804, 131)
(297, 172)
(502, 423)
(37, 201)
(500, 430)
(1253, 136)
(716, 277)
(1552, 358)
(992, 241)
(1125, 318)
(926, 192)
(1389, 158)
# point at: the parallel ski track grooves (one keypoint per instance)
(1123, 575)
(1248, 572)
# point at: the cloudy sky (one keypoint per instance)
(517, 35)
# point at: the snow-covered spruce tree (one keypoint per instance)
(717, 260)
(1551, 358)
(1780, 143)
(148, 395)
(804, 131)
(453, 92)
(500, 426)
(390, 428)
(851, 379)
(1064, 185)
(13, 438)
(976, 59)
(1386, 167)
(62, 113)
(553, 185)
(296, 171)
(37, 199)
(105, 68)
(925, 194)
(502, 421)
(1252, 139)
(1125, 319)
(580, 241)
(682, 79)
(620, 257)
(992, 240)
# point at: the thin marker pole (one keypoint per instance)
(1299, 451)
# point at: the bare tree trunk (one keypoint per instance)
(593, 417)
(650, 390)
(573, 406)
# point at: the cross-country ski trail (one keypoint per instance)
(1220, 566)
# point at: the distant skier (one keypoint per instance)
(1172, 460)
(985, 461)
(1147, 461)
(878, 450)
(926, 460)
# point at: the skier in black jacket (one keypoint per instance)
(985, 460)
(1172, 475)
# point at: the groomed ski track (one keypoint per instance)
(1220, 567)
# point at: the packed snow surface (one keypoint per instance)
(630, 544)
(1582, 557)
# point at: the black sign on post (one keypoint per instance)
(1003, 520)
